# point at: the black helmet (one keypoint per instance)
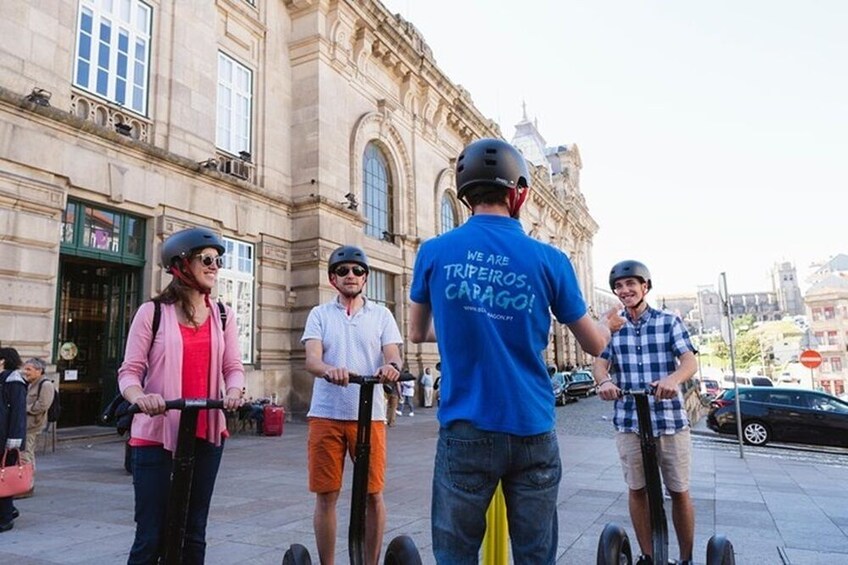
(347, 254)
(629, 268)
(179, 245)
(491, 161)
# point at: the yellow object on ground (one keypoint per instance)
(496, 540)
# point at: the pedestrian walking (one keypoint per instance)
(407, 391)
(427, 382)
(13, 391)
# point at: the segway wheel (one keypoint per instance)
(614, 546)
(297, 554)
(720, 551)
(402, 551)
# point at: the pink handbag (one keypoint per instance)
(15, 479)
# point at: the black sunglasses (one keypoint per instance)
(208, 260)
(343, 271)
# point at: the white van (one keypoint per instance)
(742, 380)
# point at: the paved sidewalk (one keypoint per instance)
(773, 510)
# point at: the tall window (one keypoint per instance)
(377, 190)
(381, 289)
(235, 101)
(113, 51)
(448, 214)
(235, 287)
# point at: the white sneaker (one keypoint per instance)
(412, 414)
(398, 412)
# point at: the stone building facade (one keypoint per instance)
(291, 127)
(827, 311)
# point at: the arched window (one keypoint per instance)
(377, 192)
(448, 214)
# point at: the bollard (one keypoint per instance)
(496, 540)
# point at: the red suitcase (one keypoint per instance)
(272, 423)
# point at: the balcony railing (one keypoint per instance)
(110, 116)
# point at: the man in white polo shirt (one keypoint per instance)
(349, 334)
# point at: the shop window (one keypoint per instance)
(90, 231)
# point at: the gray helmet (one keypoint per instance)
(629, 268)
(180, 245)
(493, 162)
(347, 254)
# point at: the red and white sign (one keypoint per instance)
(810, 358)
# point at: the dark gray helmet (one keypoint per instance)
(180, 245)
(493, 162)
(629, 268)
(347, 254)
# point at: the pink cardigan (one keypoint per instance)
(164, 375)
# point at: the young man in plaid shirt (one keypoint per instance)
(652, 350)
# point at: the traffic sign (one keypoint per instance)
(810, 358)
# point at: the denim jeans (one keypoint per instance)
(151, 481)
(469, 464)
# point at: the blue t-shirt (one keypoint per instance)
(492, 289)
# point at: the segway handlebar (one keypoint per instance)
(638, 392)
(363, 379)
(184, 404)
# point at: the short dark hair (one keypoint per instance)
(11, 358)
(485, 194)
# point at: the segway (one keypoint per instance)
(181, 474)
(401, 550)
(614, 545)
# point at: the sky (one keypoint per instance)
(713, 135)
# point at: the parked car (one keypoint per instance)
(558, 382)
(710, 387)
(782, 414)
(579, 384)
(761, 381)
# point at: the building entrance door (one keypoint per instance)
(96, 303)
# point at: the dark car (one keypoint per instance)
(782, 414)
(761, 381)
(579, 384)
(558, 383)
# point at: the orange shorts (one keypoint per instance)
(327, 444)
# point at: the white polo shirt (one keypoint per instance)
(355, 343)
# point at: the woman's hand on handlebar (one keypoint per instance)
(233, 399)
(150, 404)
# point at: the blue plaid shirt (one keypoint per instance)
(642, 352)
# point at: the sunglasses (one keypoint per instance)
(343, 271)
(209, 260)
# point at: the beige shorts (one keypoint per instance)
(674, 455)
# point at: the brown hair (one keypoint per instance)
(177, 292)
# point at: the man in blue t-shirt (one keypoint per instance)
(486, 291)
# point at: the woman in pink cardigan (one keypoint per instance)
(191, 356)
